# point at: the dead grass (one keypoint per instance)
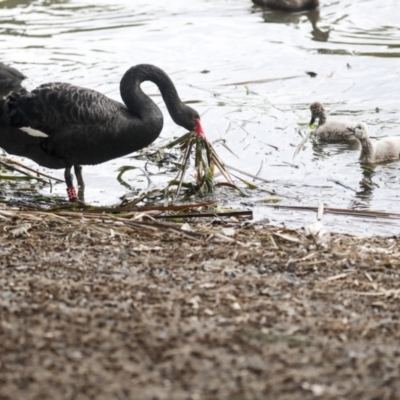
(237, 311)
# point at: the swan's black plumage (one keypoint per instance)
(84, 127)
(9, 77)
(17, 142)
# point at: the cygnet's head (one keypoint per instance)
(317, 110)
(360, 130)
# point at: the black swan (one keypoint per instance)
(84, 127)
(9, 77)
(387, 149)
(332, 130)
(288, 5)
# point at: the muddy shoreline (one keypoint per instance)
(233, 310)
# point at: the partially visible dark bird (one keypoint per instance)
(10, 77)
(80, 126)
(288, 5)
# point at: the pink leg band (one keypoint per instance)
(71, 191)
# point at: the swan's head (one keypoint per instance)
(359, 130)
(190, 119)
(317, 110)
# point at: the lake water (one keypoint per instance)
(352, 46)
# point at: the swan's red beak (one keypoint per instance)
(199, 129)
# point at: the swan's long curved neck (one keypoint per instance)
(322, 117)
(137, 101)
(367, 150)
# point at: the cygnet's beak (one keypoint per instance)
(312, 120)
(352, 130)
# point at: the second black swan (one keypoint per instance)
(288, 5)
(9, 77)
(80, 126)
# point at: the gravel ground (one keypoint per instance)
(97, 310)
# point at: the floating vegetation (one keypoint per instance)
(341, 211)
(15, 166)
(126, 168)
(304, 140)
(256, 81)
(271, 200)
(206, 161)
(25, 184)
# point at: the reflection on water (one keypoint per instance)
(352, 47)
(294, 18)
(367, 185)
(325, 150)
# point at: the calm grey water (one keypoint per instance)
(352, 45)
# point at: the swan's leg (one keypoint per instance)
(70, 185)
(81, 183)
(78, 174)
(68, 177)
